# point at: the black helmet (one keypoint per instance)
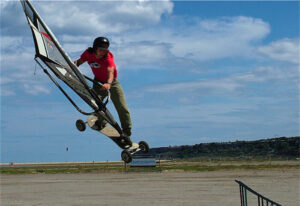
(101, 42)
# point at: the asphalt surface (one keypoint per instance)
(167, 188)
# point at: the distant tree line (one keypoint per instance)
(282, 147)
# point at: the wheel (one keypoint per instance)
(144, 146)
(80, 124)
(126, 156)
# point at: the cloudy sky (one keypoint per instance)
(192, 72)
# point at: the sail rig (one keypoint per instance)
(50, 53)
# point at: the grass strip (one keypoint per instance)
(111, 168)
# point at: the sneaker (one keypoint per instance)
(126, 139)
(127, 132)
(100, 125)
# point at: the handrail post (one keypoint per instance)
(260, 199)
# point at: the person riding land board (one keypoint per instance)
(101, 61)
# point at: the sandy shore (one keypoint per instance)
(166, 188)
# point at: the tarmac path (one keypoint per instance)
(171, 188)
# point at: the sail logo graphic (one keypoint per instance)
(49, 45)
(48, 39)
(95, 65)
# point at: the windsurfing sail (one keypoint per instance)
(49, 51)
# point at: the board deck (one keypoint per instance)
(110, 132)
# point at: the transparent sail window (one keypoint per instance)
(53, 52)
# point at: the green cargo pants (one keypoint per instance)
(118, 99)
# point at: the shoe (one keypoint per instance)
(127, 132)
(126, 139)
(100, 125)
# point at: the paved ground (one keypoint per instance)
(148, 189)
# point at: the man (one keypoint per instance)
(101, 61)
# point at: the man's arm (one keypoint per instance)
(110, 78)
(78, 62)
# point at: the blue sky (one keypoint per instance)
(192, 72)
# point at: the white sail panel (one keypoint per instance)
(39, 39)
(40, 43)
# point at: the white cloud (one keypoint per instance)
(18, 67)
(36, 89)
(269, 73)
(183, 45)
(10, 62)
(215, 113)
(10, 42)
(148, 54)
(71, 48)
(76, 38)
(222, 38)
(212, 85)
(5, 80)
(134, 30)
(102, 17)
(284, 50)
(3, 4)
(7, 92)
(233, 82)
(207, 39)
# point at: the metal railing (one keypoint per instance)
(261, 200)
